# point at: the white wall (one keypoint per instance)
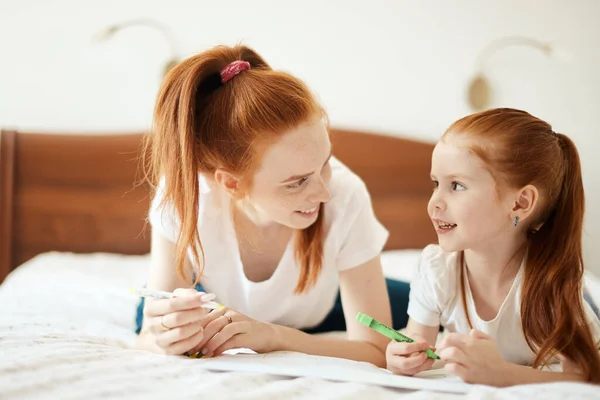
(400, 66)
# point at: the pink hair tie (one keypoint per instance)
(232, 69)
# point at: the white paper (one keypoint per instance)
(294, 364)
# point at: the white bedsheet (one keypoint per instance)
(66, 325)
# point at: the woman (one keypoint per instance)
(250, 206)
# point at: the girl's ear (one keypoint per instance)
(525, 202)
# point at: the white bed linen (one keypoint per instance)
(66, 325)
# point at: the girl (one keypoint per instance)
(251, 206)
(506, 277)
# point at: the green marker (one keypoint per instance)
(389, 332)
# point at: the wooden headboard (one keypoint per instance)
(76, 193)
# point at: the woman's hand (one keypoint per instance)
(226, 329)
(174, 326)
(408, 358)
(475, 358)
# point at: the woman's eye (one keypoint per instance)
(458, 186)
(435, 184)
(297, 184)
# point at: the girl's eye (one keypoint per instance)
(435, 184)
(458, 186)
(297, 184)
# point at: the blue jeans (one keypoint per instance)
(334, 321)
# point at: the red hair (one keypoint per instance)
(519, 150)
(201, 124)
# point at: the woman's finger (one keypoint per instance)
(213, 315)
(167, 338)
(181, 318)
(182, 292)
(234, 343)
(213, 328)
(225, 334)
(185, 345)
(158, 307)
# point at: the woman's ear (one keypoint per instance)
(526, 201)
(228, 181)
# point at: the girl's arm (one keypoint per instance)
(363, 289)
(428, 333)
(475, 358)
(410, 358)
(519, 375)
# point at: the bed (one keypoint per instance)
(72, 220)
(76, 193)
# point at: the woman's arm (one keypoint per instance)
(363, 289)
(181, 315)
(162, 274)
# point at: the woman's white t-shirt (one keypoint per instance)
(435, 299)
(353, 236)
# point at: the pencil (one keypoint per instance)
(145, 292)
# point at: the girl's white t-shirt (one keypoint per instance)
(353, 236)
(435, 299)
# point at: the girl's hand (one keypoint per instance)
(408, 358)
(174, 326)
(475, 358)
(226, 329)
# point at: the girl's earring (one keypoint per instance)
(516, 220)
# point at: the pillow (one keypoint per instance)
(400, 264)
